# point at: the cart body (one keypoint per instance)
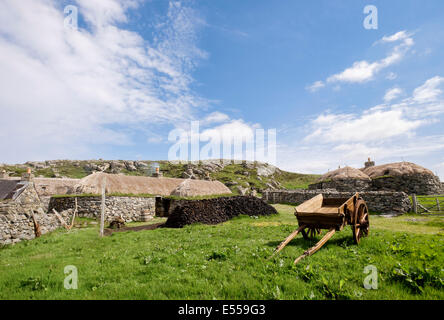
(326, 213)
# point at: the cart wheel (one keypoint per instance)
(361, 222)
(310, 233)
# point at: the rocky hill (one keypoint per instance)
(242, 178)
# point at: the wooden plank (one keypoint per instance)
(102, 215)
(318, 245)
(287, 240)
(328, 210)
(415, 204)
(37, 231)
(310, 205)
(437, 204)
(350, 203)
(60, 219)
(423, 208)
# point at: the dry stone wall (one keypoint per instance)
(377, 201)
(16, 221)
(343, 185)
(129, 208)
(421, 184)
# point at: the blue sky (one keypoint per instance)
(335, 92)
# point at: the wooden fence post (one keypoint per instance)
(415, 204)
(437, 204)
(102, 215)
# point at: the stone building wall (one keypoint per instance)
(16, 221)
(377, 201)
(421, 184)
(129, 208)
(164, 206)
(343, 185)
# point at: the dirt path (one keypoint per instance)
(153, 226)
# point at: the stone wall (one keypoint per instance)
(129, 208)
(421, 184)
(377, 201)
(164, 206)
(44, 200)
(16, 221)
(343, 185)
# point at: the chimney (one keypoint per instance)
(4, 174)
(157, 172)
(369, 163)
(28, 176)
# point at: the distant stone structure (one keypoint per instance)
(4, 174)
(130, 209)
(404, 176)
(369, 163)
(377, 201)
(25, 199)
(401, 176)
(343, 179)
(21, 214)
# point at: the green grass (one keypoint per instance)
(242, 176)
(14, 171)
(229, 261)
(292, 180)
(430, 202)
(46, 173)
(213, 196)
(72, 171)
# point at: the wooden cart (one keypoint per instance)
(331, 214)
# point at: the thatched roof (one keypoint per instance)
(116, 183)
(345, 174)
(191, 188)
(396, 169)
(52, 186)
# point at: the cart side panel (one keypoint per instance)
(310, 205)
(322, 221)
(349, 206)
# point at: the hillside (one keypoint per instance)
(242, 178)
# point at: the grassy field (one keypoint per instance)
(430, 203)
(229, 261)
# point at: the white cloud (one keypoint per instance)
(63, 90)
(315, 86)
(401, 35)
(363, 71)
(392, 94)
(215, 117)
(372, 126)
(382, 121)
(429, 91)
(233, 129)
(387, 132)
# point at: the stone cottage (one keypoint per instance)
(343, 179)
(403, 176)
(160, 186)
(21, 214)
